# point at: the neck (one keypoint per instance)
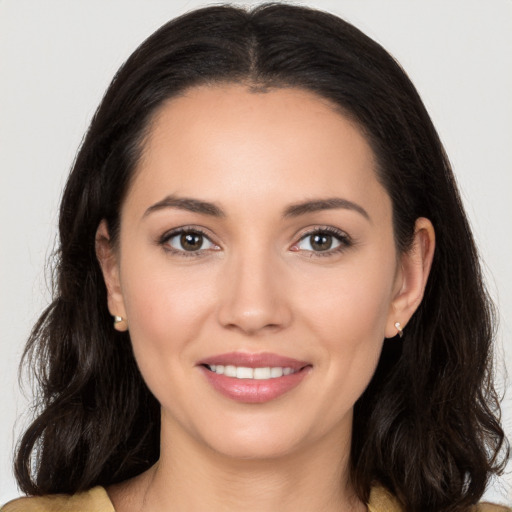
(189, 475)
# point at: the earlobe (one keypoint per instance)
(415, 267)
(108, 260)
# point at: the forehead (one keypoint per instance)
(227, 141)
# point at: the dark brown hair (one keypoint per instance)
(427, 427)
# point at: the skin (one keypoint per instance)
(256, 285)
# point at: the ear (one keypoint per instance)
(108, 260)
(412, 276)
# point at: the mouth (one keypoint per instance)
(244, 372)
(254, 378)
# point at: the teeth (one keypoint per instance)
(276, 372)
(230, 371)
(242, 372)
(262, 373)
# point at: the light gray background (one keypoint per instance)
(57, 58)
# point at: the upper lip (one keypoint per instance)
(258, 360)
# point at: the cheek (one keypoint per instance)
(165, 308)
(165, 314)
(354, 304)
(348, 314)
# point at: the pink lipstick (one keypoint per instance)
(253, 378)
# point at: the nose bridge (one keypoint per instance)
(253, 298)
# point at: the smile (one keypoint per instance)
(243, 372)
(253, 378)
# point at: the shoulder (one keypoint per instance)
(381, 500)
(94, 500)
(489, 507)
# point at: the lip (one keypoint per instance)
(256, 360)
(254, 390)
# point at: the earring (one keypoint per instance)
(120, 323)
(399, 329)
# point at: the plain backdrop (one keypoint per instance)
(58, 56)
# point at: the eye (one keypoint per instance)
(323, 241)
(318, 242)
(188, 240)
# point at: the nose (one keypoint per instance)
(253, 296)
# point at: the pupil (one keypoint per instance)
(321, 242)
(191, 241)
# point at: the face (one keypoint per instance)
(256, 268)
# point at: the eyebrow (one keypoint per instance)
(186, 203)
(294, 210)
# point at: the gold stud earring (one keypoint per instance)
(120, 323)
(399, 329)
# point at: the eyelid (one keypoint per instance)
(168, 235)
(345, 241)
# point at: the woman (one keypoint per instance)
(261, 200)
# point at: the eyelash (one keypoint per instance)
(344, 241)
(192, 230)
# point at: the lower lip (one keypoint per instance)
(254, 391)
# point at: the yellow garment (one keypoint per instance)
(94, 500)
(97, 500)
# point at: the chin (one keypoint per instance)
(254, 450)
(256, 441)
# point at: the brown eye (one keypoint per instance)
(189, 241)
(321, 242)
